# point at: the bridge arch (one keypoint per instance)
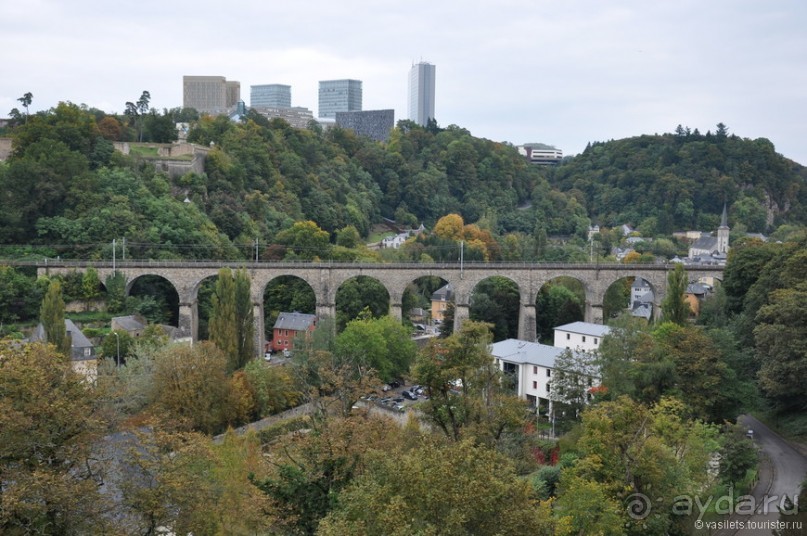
(161, 289)
(325, 278)
(497, 299)
(285, 293)
(359, 292)
(561, 300)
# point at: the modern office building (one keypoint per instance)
(339, 96)
(296, 116)
(270, 96)
(210, 94)
(541, 154)
(421, 93)
(374, 124)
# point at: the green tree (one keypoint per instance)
(626, 448)
(468, 397)
(454, 488)
(572, 378)
(382, 344)
(781, 343)
(310, 471)
(674, 307)
(20, 296)
(116, 292)
(738, 455)
(616, 299)
(359, 295)
(51, 314)
(558, 303)
(26, 100)
(137, 111)
(701, 375)
(169, 483)
(90, 287)
(244, 318)
(223, 324)
(49, 425)
(496, 300)
(191, 387)
(127, 389)
(305, 240)
(274, 388)
(631, 363)
(348, 237)
(117, 346)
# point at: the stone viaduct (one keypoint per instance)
(325, 278)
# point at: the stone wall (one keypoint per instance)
(5, 148)
(168, 155)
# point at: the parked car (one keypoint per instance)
(399, 407)
(410, 395)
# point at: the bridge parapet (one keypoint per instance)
(326, 278)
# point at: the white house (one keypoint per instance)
(530, 364)
(532, 367)
(398, 240)
(581, 336)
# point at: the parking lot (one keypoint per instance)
(396, 398)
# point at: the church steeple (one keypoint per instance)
(723, 232)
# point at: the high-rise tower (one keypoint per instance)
(270, 96)
(421, 93)
(339, 96)
(210, 94)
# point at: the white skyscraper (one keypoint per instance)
(421, 93)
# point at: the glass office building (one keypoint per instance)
(339, 96)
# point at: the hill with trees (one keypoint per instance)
(64, 186)
(664, 183)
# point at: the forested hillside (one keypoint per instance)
(65, 191)
(677, 181)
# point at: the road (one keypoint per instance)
(782, 470)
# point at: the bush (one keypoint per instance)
(273, 433)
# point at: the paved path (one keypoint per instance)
(782, 470)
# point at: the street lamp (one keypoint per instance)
(117, 345)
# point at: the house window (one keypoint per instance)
(568, 336)
(87, 352)
(584, 338)
(596, 341)
(534, 369)
(535, 385)
(548, 373)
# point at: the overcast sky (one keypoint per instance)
(561, 72)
